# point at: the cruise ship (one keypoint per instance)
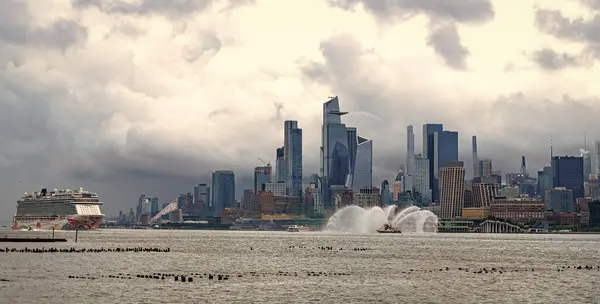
(59, 210)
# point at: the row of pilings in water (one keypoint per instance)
(83, 250)
(209, 276)
(328, 248)
(194, 277)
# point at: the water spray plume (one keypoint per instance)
(584, 152)
(355, 219)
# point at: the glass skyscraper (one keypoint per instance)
(445, 151)
(223, 190)
(262, 175)
(568, 173)
(280, 175)
(335, 155)
(292, 153)
(428, 150)
(363, 170)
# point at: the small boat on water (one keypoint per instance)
(388, 229)
(297, 228)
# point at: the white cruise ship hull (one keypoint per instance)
(71, 222)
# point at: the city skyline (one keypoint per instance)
(145, 104)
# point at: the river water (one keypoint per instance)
(380, 273)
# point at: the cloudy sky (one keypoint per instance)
(150, 96)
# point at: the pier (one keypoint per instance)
(31, 240)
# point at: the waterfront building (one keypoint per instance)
(452, 189)
(518, 209)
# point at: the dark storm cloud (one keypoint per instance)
(586, 31)
(551, 60)
(446, 42)
(508, 126)
(172, 8)
(16, 27)
(463, 11)
(443, 14)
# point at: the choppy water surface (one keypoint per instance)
(380, 274)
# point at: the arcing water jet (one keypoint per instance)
(355, 219)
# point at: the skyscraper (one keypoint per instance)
(202, 197)
(334, 150)
(352, 148)
(452, 190)
(363, 173)
(428, 150)
(587, 164)
(445, 151)
(484, 168)
(262, 176)
(223, 190)
(280, 175)
(568, 173)
(410, 149)
(476, 172)
(597, 144)
(292, 153)
(421, 179)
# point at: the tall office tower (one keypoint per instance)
(476, 172)
(154, 208)
(352, 148)
(410, 149)
(138, 209)
(334, 151)
(386, 195)
(598, 158)
(428, 150)
(262, 176)
(568, 173)
(452, 190)
(202, 197)
(484, 168)
(421, 179)
(587, 164)
(280, 174)
(445, 148)
(292, 153)
(545, 181)
(363, 174)
(523, 166)
(223, 190)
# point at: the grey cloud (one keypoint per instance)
(446, 42)
(507, 126)
(586, 31)
(443, 14)
(549, 59)
(171, 8)
(16, 28)
(463, 11)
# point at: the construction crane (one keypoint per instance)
(264, 162)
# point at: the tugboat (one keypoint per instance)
(387, 228)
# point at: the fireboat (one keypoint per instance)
(387, 228)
